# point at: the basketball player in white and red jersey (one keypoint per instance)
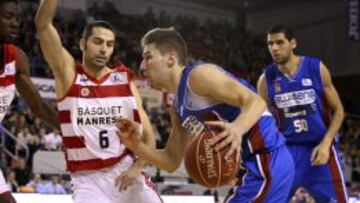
(15, 74)
(91, 97)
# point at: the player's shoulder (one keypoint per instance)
(12, 50)
(203, 70)
(119, 66)
(311, 58)
(312, 63)
(270, 72)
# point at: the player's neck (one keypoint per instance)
(174, 79)
(291, 66)
(96, 72)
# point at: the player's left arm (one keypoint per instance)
(128, 177)
(321, 153)
(28, 91)
(212, 82)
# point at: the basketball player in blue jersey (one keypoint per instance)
(309, 112)
(206, 92)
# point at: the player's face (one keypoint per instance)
(99, 47)
(280, 47)
(154, 65)
(9, 21)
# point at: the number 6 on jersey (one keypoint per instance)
(103, 139)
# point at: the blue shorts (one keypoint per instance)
(267, 178)
(324, 183)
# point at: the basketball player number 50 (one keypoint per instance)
(300, 125)
(103, 139)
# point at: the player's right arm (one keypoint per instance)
(169, 158)
(60, 61)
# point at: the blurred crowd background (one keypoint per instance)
(244, 55)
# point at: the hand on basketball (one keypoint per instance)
(320, 154)
(228, 136)
(128, 133)
(128, 178)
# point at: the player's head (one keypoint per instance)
(9, 20)
(97, 43)
(281, 43)
(163, 49)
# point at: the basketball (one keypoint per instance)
(206, 166)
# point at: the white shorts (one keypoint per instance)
(99, 186)
(3, 186)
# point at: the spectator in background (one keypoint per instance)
(24, 137)
(52, 141)
(11, 181)
(37, 184)
(54, 187)
(22, 173)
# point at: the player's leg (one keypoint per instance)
(145, 191)
(89, 188)
(268, 178)
(5, 195)
(301, 156)
(327, 182)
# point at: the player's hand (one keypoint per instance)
(230, 135)
(320, 154)
(128, 133)
(127, 178)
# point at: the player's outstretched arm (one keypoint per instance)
(168, 159)
(211, 81)
(29, 92)
(60, 61)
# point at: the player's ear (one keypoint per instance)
(293, 43)
(82, 44)
(171, 60)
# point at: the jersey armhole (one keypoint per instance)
(71, 86)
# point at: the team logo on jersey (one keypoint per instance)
(306, 82)
(83, 78)
(118, 78)
(192, 125)
(10, 68)
(85, 91)
(277, 87)
(296, 98)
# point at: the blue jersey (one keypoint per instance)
(300, 103)
(194, 109)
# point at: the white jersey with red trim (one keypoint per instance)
(88, 115)
(7, 78)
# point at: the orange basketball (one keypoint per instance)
(206, 166)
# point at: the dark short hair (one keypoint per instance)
(90, 26)
(166, 40)
(288, 31)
